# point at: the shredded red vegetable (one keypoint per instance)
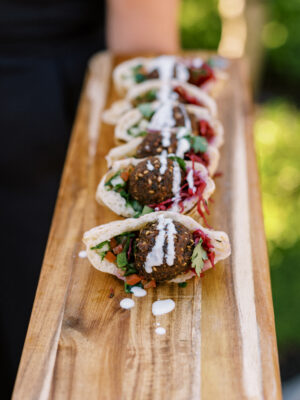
(206, 130)
(199, 76)
(129, 248)
(197, 157)
(187, 97)
(206, 244)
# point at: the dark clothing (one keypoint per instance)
(44, 48)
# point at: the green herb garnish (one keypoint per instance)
(100, 246)
(146, 109)
(147, 210)
(198, 143)
(198, 257)
(151, 95)
(139, 78)
(109, 182)
(122, 260)
(180, 161)
(182, 284)
(135, 133)
(130, 269)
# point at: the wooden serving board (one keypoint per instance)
(220, 340)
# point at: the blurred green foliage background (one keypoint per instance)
(277, 134)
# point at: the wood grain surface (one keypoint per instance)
(220, 340)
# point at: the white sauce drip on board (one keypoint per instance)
(150, 167)
(163, 162)
(160, 331)
(156, 256)
(138, 291)
(161, 307)
(127, 303)
(190, 180)
(82, 254)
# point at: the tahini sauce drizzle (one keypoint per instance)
(183, 145)
(156, 256)
(163, 162)
(182, 73)
(171, 231)
(165, 66)
(163, 117)
(150, 167)
(166, 137)
(190, 180)
(176, 182)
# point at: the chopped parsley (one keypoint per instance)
(104, 247)
(122, 189)
(137, 73)
(198, 257)
(112, 181)
(147, 110)
(146, 210)
(122, 259)
(198, 143)
(182, 284)
(146, 97)
(136, 131)
(180, 161)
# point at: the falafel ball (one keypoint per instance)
(152, 145)
(150, 186)
(183, 243)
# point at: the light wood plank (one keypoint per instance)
(220, 341)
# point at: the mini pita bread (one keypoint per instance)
(112, 115)
(128, 150)
(124, 78)
(134, 116)
(117, 203)
(105, 232)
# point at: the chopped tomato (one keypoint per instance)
(133, 279)
(110, 257)
(150, 284)
(125, 175)
(113, 243)
(118, 249)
